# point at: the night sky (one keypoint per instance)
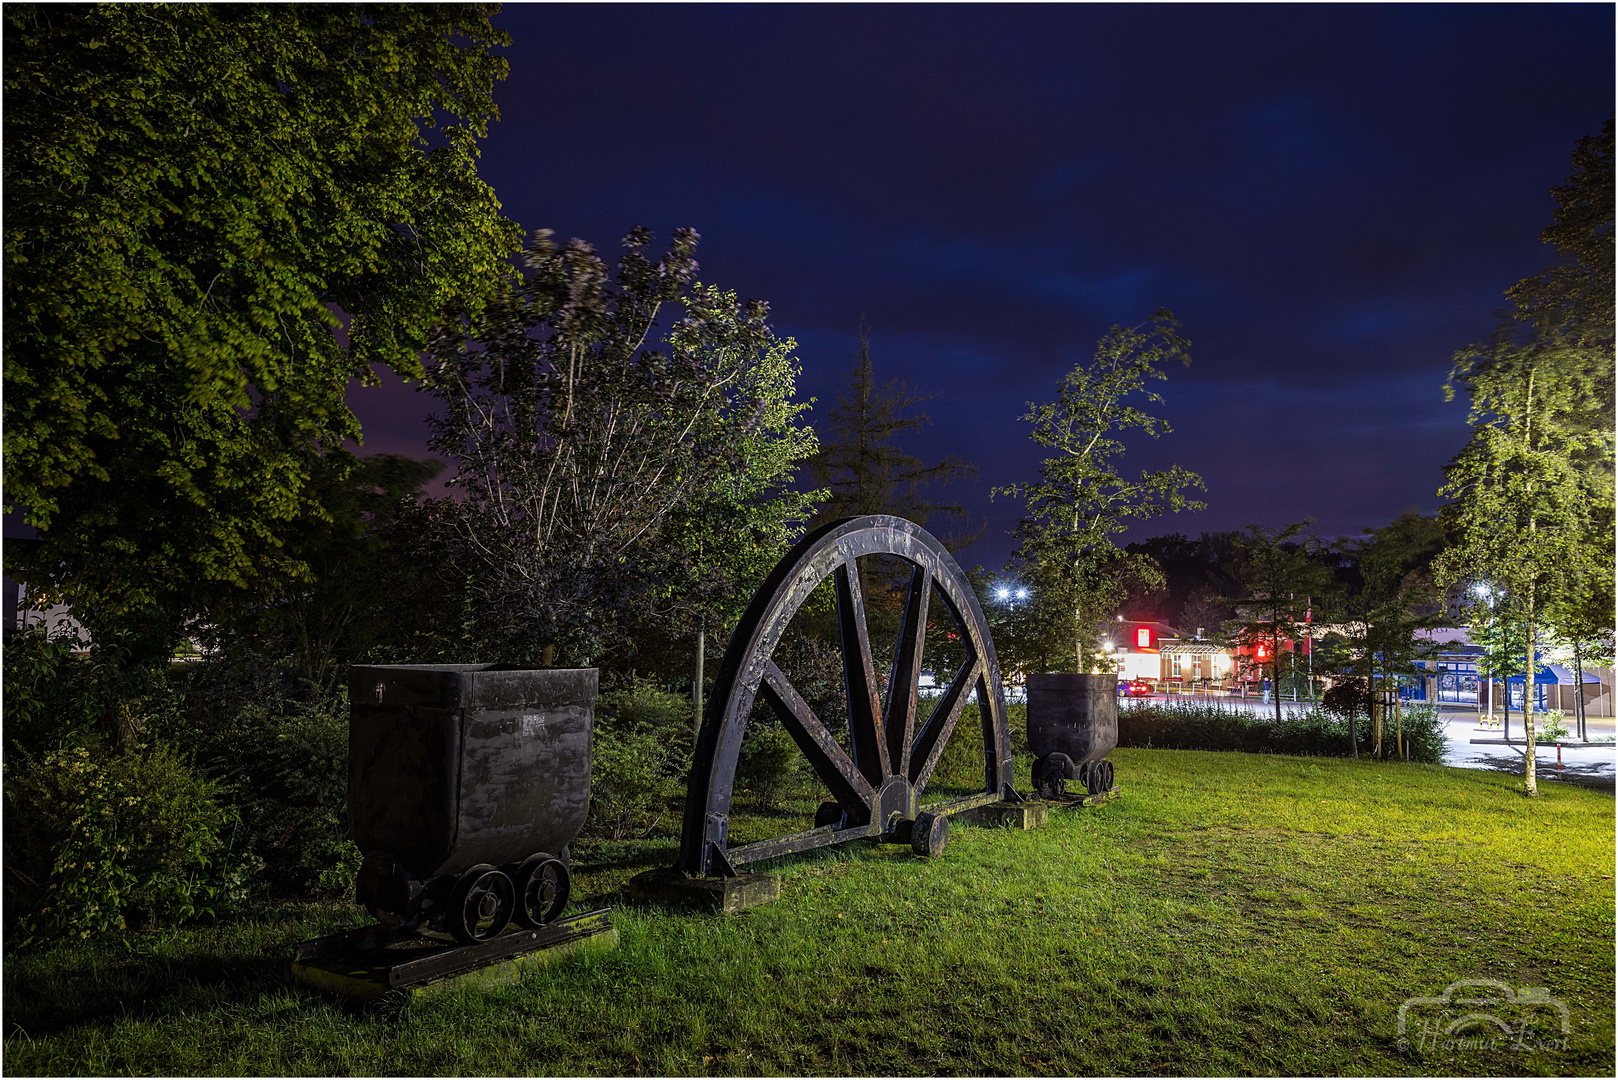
(1331, 199)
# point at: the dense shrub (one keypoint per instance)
(47, 704)
(770, 766)
(1551, 726)
(639, 759)
(97, 842)
(1210, 726)
(57, 696)
(279, 749)
(961, 764)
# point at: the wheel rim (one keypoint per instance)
(545, 892)
(482, 904)
(893, 754)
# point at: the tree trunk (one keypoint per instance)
(1578, 688)
(1275, 677)
(1530, 782)
(1505, 707)
(702, 633)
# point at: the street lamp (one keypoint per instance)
(1010, 595)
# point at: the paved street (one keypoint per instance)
(1589, 766)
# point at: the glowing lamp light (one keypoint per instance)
(1022, 594)
(1002, 593)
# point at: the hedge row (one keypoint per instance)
(1311, 732)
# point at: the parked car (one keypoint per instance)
(1135, 688)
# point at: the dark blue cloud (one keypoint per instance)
(1331, 198)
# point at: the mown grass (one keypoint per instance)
(1230, 914)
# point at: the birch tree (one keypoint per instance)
(1081, 500)
(1519, 508)
(1533, 490)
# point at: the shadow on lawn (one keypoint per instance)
(56, 995)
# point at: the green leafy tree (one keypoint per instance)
(1501, 641)
(1385, 599)
(216, 216)
(1081, 501)
(1520, 508)
(1581, 615)
(347, 608)
(1278, 573)
(597, 474)
(1573, 301)
(1533, 488)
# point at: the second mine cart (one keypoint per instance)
(1072, 727)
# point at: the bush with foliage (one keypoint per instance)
(97, 843)
(961, 764)
(639, 760)
(1315, 732)
(770, 766)
(1551, 726)
(279, 750)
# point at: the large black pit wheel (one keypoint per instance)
(877, 788)
(480, 905)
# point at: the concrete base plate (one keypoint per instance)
(1023, 815)
(730, 895)
(424, 967)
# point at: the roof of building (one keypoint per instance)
(1189, 647)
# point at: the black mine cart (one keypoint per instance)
(466, 784)
(1072, 727)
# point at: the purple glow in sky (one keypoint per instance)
(1331, 199)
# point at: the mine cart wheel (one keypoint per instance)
(481, 905)
(542, 884)
(1049, 775)
(878, 787)
(1104, 780)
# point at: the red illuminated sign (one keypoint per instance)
(1143, 637)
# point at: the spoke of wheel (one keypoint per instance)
(830, 763)
(859, 677)
(991, 751)
(935, 734)
(899, 724)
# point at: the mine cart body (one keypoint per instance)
(455, 765)
(1072, 727)
(1075, 715)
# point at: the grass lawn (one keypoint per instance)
(1231, 914)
